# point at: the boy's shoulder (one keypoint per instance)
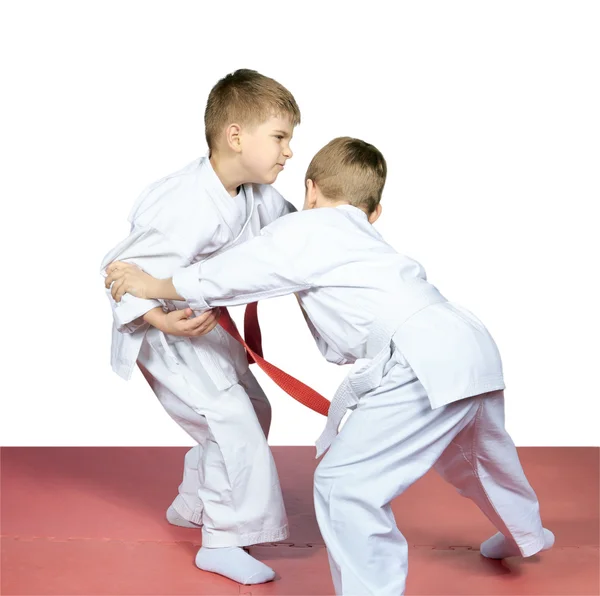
(332, 225)
(187, 172)
(301, 222)
(173, 195)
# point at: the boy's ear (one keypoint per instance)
(233, 136)
(311, 194)
(375, 215)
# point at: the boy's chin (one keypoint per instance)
(270, 177)
(266, 178)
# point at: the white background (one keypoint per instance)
(488, 116)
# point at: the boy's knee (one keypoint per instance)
(329, 484)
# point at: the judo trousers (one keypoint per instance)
(230, 483)
(392, 439)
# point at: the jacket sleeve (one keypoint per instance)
(286, 258)
(282, 260)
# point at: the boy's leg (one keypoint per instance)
(186, 509)
(390, 440)
(241, 494)
(239, 487)
(482, 463)
(187, 506)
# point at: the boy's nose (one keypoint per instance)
(288, 152)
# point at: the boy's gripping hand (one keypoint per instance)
(178, 322)
(126, 278)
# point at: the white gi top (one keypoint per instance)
(184, 218)
(366, 303)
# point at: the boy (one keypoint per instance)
(199, 374)
(426, 386)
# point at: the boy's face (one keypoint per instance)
(265, 149)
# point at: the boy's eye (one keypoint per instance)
(280, 137)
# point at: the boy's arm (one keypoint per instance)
(281, 261)
(151, 250)
(263, 267)
(155, 317)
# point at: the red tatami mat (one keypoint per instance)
(90, 521)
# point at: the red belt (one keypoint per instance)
(253, 344)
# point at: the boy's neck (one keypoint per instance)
(226, 172)
(325, 202)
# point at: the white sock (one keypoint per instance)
(234, 563)
(175, 519)
(499, 547)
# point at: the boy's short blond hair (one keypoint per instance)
(247, 98)
(351, 170)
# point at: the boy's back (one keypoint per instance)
(358, 293)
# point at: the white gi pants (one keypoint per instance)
(392, 439)
(230, 483)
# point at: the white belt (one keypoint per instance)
(366, 374)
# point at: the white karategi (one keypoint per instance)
(426, 386)
(230, 483)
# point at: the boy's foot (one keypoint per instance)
(498, 547)
(234, 563)
(175, 519)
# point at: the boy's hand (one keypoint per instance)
(178, 322)
(127, 278)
